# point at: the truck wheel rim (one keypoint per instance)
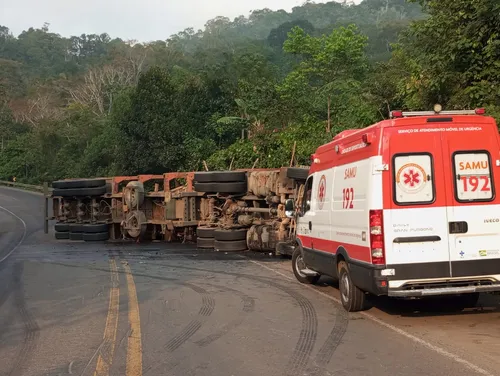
(299, 265)
(345, 287)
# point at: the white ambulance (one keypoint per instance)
(406, 208)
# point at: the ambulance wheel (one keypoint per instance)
(298, 265)
(353, 299)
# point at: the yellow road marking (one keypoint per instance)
(108, 345)
(134, 349)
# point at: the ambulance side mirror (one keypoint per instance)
(289, 208)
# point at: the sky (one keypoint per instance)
(142, 20)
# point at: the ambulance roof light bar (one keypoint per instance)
(437, 111)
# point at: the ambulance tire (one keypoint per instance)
(296, 259)
(353, 299)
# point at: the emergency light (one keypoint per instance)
(437, 111)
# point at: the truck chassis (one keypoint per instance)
(226, 210)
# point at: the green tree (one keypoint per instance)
(152, 139)
(332, 66)
(458, 51)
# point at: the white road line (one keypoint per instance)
(411, 337)
(20, 241)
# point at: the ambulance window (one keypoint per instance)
(306, 202)
(473, 180)
(413, 176)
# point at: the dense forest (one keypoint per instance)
(263, 90)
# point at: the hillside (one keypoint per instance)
(238, 93)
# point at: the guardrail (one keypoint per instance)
(28, 187)
(43, 189)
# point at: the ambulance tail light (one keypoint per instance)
(377, 237)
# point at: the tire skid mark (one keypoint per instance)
(4, 297)
(7, 289)
(325, 353)
(248, 307)
(307, 337)
(31, 328)
(206, 309)
(308, 333)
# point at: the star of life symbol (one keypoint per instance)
(462, 253)
(322, 192)
(411, 178)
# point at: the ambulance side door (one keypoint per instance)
(305, 221)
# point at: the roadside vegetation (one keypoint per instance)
(262, 91)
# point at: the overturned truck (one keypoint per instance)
(225, 210)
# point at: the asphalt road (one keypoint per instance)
(72, 308)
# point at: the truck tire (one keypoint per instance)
(220, 177)
(231, 235)
(76, 235)
(230, 177)
(134, 194)
(76, 227)
(82, 183)
(137, 222)
(230, 246)
(62, 235)
(238, 187)
(204, 187)
(205, 232)
(203, 177)
(297, 173)
(79, 192)
(298, 265)
(61, 227)
(205, 243)
(353, 299)
(95, 228)
(95, 236)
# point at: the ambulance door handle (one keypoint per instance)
(460, 227)
(310, 226)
